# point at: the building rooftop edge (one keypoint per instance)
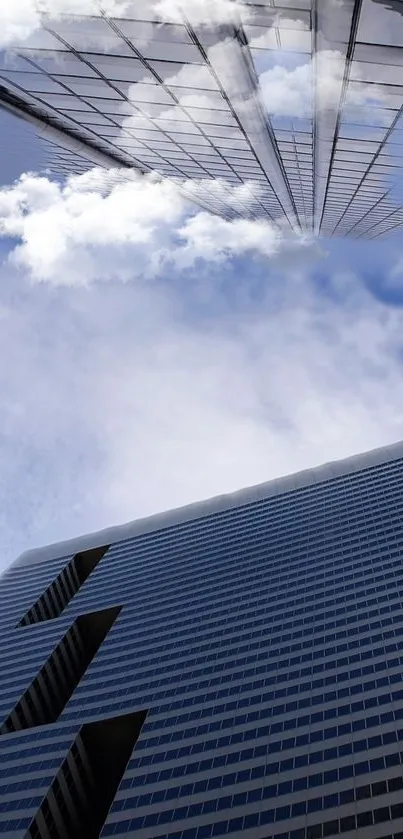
(198, 509)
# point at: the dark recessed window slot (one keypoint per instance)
(82, 792)
(46, 696)
(62, 589)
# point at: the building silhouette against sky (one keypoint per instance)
(290, 112)
(232, 668)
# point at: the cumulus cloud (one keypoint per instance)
(290, 92)
(215, 238)
(97, 226)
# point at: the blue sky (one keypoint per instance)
(134, 392)
(152, 355)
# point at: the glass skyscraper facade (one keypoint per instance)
(230, 668)
(283, 110)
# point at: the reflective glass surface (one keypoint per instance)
(290, 113)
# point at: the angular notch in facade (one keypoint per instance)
(62, 589)
(46, 696)
(81, 794)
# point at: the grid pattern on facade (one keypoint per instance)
(200, 105)
(266, 642)
(56, 597)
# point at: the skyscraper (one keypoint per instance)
(230, 668)
(284, 110)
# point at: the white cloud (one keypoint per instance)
(122, 400)
(213, 238)
(96, 226)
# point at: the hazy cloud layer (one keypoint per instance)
(119, 400)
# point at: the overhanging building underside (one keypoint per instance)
(291, 112)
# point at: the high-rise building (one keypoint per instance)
(233, 667)
(284, 110)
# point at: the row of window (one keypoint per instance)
(258, 549)
(354, 617)
(263, 749)
(231, 551)
(306, 782)
(234, 685)
(216, 520)
(283, 725)
(228, 637)
(24, 786)
(268, 656)
(222, 554)
(256, 796)
(251, 820)
(15, 752)
(30, 803)
(219, 654)
(262, 770)
(15, 824)
(159, 720)
(358, 486)
(28, 768)
(234, 617)
(183, 682)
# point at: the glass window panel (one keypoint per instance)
(170, 51)
(357, 145)
(137, 121)
(194, 151)
(387, 170)
(89, 87)
(143, 134)
(223, 131)
(63, 101)
(203, 117)
(108, 131)
(149, 93)
(190, 76)
(363, 158)
(178, 127)
(144, 30)
(380, 24)
(89, 34)
(261, 37)
(175, 115)
(378, 54)
(118, 107)
(89, 118)
(118, 68)
(211, 99)
(296, 39)
(222, 143)
(60, 62)
(371, 72)
(156, 110)
(33, 82)
(189, 139)
(238, 154)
